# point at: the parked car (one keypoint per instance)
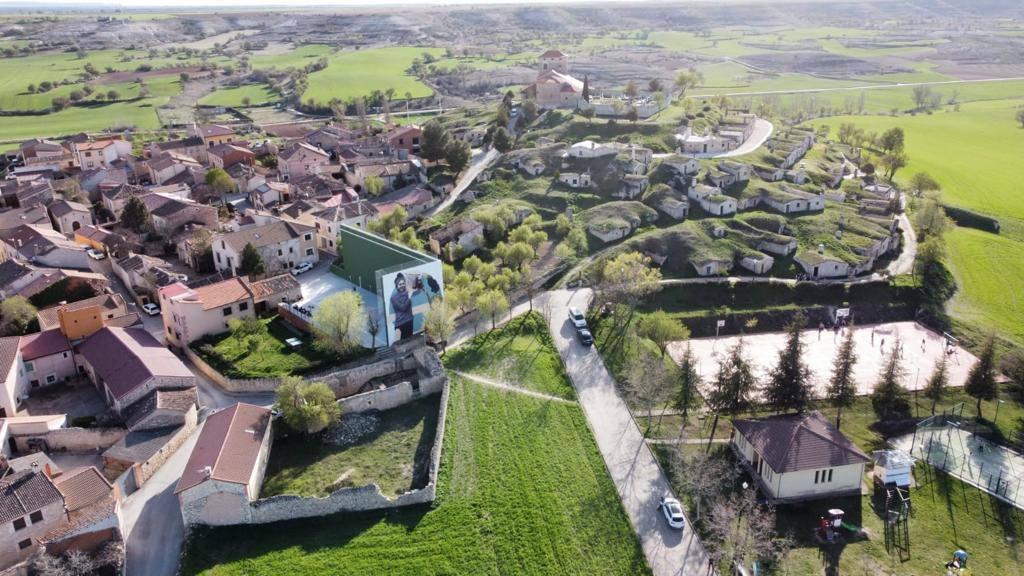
(585, 336)
(304, 267)
(673, 512)
(151, 308)
(577, 318)
(95, 254)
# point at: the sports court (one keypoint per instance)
(922, 349)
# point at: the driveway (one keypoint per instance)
(481, 160)
(638, 478)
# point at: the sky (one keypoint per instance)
(213, 4)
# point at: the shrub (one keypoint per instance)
(969, 219)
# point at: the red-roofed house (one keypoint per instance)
(191, 313)
(406, 138)
(301, 160)
(101, 153)
(225, 471)
(798, 457)
(125, 364)
(93, 509)
(32, 361)
(224, 156)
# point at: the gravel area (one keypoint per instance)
(352, 428)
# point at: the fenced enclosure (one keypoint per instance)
(945, 442)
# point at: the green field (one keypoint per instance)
(990, 274)
(235, 96)
(522, 490)
(519, 353)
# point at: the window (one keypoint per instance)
(51, 378)
(227, 311)
(65, 354)
(816, 472)
(291, 249)
(218, 257)
(36, 517)
(34, 383)
(279, 252)
(24, 544)
(307, 237)
(309, 251)
(829, 474)
(243, 306)
(19, 524)
(29, 367)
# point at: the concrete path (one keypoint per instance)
(510, 388)
(904, 263)
(479, 163)
(686, 441)
(638, 478)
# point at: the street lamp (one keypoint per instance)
(998, 404)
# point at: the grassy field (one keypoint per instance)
(273, 358)
(520, 353)
(990, 277)
(396, 456)
(522, 490)
(352, 73)
(235, 96)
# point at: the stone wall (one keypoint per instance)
(233, 385)
(73, 439)
(430, 380)
(146, 469)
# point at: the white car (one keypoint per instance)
(95, 254)
(304, 267)
(151, 308)
(577, 318)
(673, 512)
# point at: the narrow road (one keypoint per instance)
(904, 263)
(638, 478)
(480, 163)
(762, 131)
(866, 87)
(510, 388)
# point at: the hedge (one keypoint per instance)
(969, 219)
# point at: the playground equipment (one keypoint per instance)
(828, 527)
(897, 525)
(893, 467)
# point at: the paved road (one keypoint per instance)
(762, 131)
(904, 263)
(639, 480)
(868, 87)
(481, 160)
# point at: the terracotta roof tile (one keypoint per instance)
(25, 492)
(228, 446)
(125, 358)
(222, 293)
(791, 442)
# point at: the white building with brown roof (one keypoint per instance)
(30, 507)
(32, 362)
(189, 314)
(282, 244)
(101, 153)
(69, 216)
(300, 160)
(93, 509)
(225, 472)
(798, 457)
(329, 220)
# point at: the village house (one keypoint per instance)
(93, 509)
(820, 264)
(575, 179)
(162, 409)
(757, 263)
(301, 160)
(34, 216)
(531, 165)
(169, 214)
(40, 153)
(125, 364)
(591, 149)
(70, 216)
(329, 220)
(631, 186)
(677, 208)
(25, 194)
(406, 138)
(101, 153)
(225, 156)
(706, 265)
(32, 362)
(283, 245)
(270, 193)
(114, 199)
(330, 136)
(43, 247)
(143, 275)
(460, 238)
(554, 87)
(798, 457)
(77, 320)
(415, 199)
(712, 200)
(189, 314)
(32, 507)
(394, 174)
(225, 471)
(192, 147)
(214, 134)
(739, 171)
(169, 166)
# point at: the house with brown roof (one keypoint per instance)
(456, 240)
(125, 364)
(69, 216)
(93, 509)
(269, 292)
(193, 146)
(225, 471)
(170, 214)
(329, 220)
(406, 138)
(214, 134)
(33, 215)
(225, 156)
(282, 244)
(31, 362)
(166, 167)
(42, 246)
(30, 508)
(797, 457)
(162, 409)
(81, 319)
(415, 199)
(190, 314)
(101, 152)
(392, 173)
(300, 160)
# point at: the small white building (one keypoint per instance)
(189, 314)
(301, 160)
(822, 265)
(710, 265)
(757, 263)
(575, 179)
(796, 457)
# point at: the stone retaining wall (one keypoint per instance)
(73, 439)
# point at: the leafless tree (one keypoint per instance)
(741, 530)
(701, 475)
(648, 383)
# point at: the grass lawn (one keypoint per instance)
(990, 277)
(396, 456)
(273, 358)
(520, 353)
(522, 490)
(352, 73)
(235, 96)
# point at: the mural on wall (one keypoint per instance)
(407, 297)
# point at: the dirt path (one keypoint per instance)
(511, 388)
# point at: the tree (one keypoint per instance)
(891, 140)
(930, 219)
(1020, 117)
(733, 385)
(922, 95)
(373, 184)
(339, 321)
(434, 141)
(935, 389)
(936, 282)
(892, 162)
(246, 101)
(842, 389)
(648, 382)
(16, 313)
(439, 323)
(113, 95)
(700, 475)
(689, 384)
(372, 327)
(501, 139)
(59, 103)
(135, 215)
(789, 386)
(632, 115)
(586, 92)
(491, 303)
(457, 155)
(661, 329)
(687, 79)
(631, 90)
(308, 407)
(219, 181)
(922, 182)
(626, 280)
(889, 398)
(242, 328)
(251, 262)
(655, 85)
(589, 114)
(981, 380)
(742, 531)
